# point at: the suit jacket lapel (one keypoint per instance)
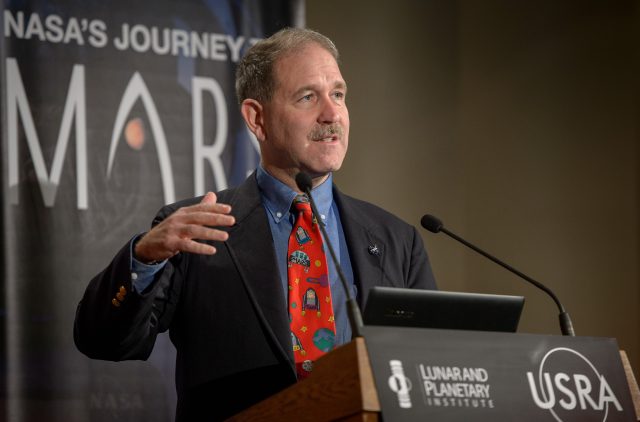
(359, 233)
(250, 246)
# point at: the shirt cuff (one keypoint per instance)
(142, 275)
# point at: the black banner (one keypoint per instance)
(109, 111)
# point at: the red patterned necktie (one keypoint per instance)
(313, 330)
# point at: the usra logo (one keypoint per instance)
(582, 390)
(400, 384)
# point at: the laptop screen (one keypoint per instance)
(439, 309)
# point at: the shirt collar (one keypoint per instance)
(278, 197)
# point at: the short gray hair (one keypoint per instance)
(254, 75)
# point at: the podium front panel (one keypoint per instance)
(447, 375)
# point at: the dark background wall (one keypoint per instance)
(516, 123)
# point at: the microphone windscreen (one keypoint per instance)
(303, 180)
(431, 223)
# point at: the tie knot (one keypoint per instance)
(301, 203)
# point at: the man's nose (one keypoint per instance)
(330, 112)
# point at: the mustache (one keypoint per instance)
(326, 131)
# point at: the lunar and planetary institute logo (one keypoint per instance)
(443, 386)
(400, 384)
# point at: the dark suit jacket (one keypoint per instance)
(226, 313)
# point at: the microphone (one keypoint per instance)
(434, 225)
(303, 180)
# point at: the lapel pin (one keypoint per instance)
(374, 250)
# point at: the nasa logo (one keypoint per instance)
(584, 390)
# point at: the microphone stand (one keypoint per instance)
(353, 310)
(434, 225)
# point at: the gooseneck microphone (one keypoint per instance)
(434, 225)
(303, 180)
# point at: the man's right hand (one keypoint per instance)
(177, 233)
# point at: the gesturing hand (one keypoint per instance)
(177, 233)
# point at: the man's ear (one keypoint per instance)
(253, 115)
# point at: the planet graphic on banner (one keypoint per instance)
(324, 339)
(134, 133)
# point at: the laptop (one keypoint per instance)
(439, 309)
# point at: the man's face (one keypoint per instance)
(306, 123)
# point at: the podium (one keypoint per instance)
(424, 374)
(340, 388)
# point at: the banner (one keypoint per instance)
(109, 111)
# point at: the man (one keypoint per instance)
(217, 271)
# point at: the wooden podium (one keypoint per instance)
(633, 384)
(340, 388)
